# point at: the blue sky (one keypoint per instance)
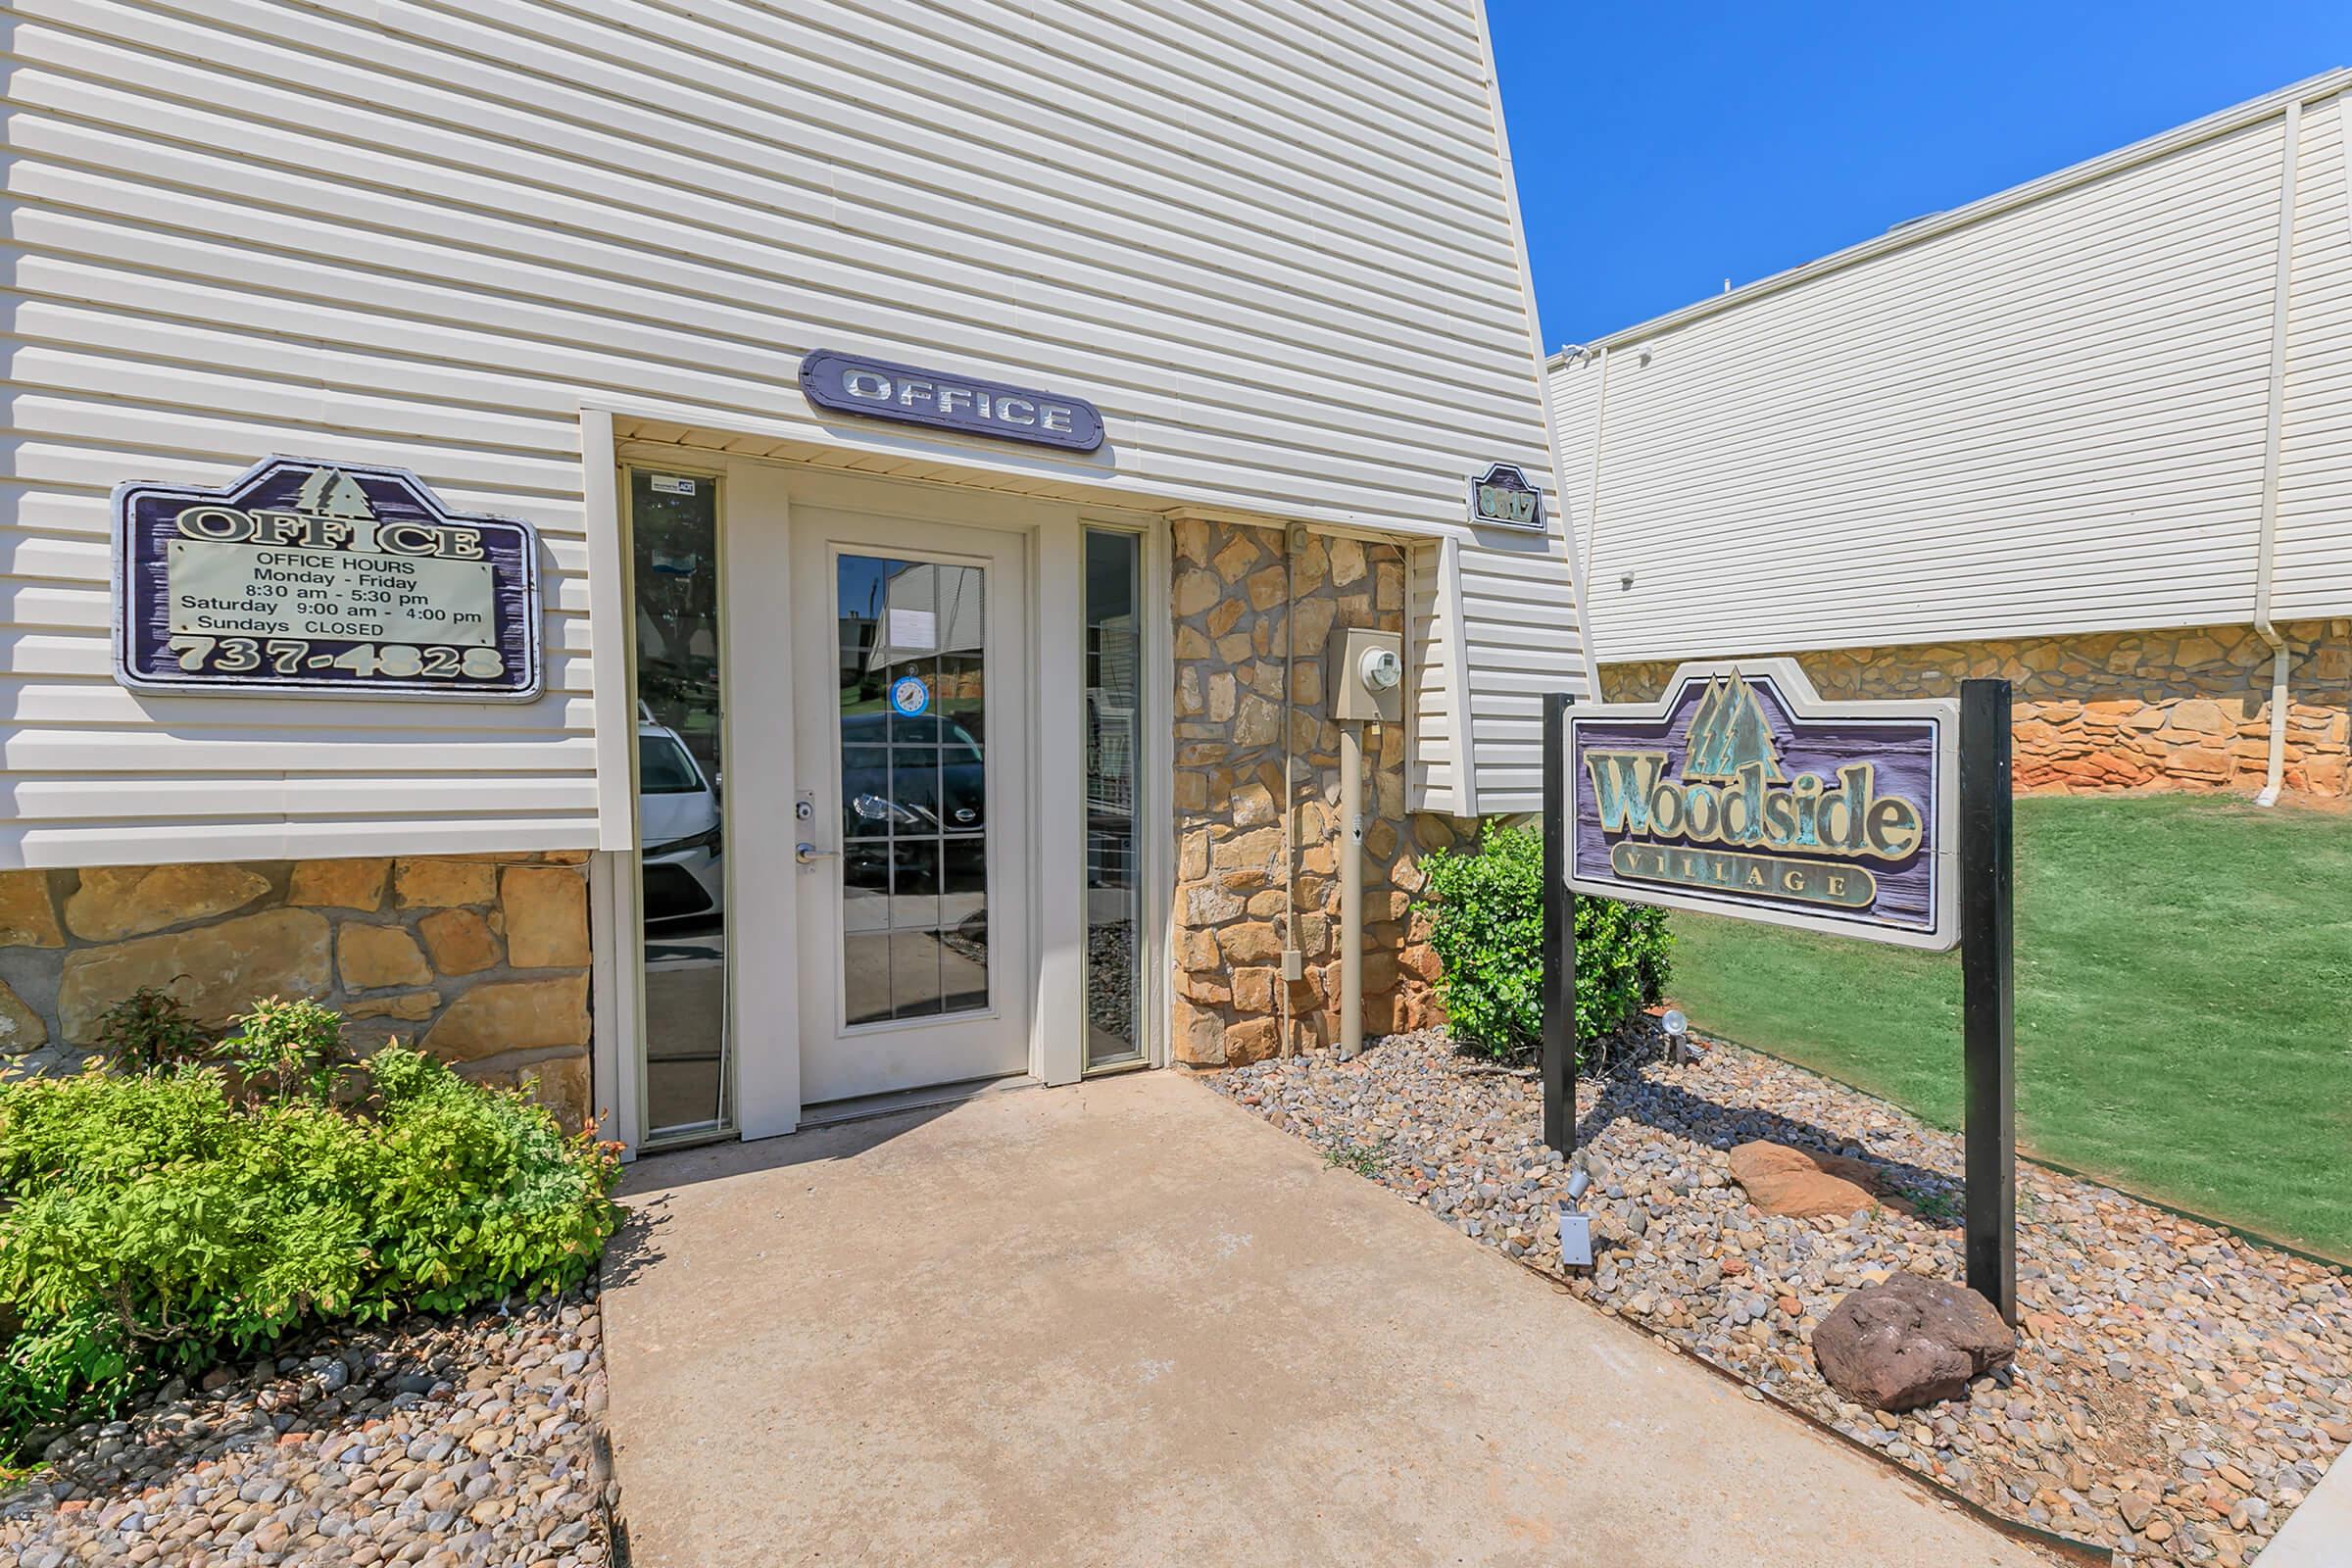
(1662, 148)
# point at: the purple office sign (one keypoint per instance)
(1742, 792)
(340, 579)
(848, 383)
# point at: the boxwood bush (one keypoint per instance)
(158, 1222)
(1486, 910)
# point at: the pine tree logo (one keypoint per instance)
(332, 493)
(1729, 733)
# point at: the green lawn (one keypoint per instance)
(2183, 1004)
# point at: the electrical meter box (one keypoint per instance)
(1366, 675)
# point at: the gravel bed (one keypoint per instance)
(437, 1443)
(2176, 1390)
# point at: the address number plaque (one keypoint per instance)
(322, 578)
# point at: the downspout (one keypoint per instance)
(2265, 549)
(1601, 422)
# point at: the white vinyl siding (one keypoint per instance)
(428, 233)
(2048, 418)
(2313, 564)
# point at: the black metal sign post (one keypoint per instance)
(1559, 936)
(1977, 762)
(1987, 925)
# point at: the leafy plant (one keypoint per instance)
(149, 1029)
(156, 1224)
(1366, 1159)
(1486, 909)
(287, 1049)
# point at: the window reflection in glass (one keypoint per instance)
(674, 521)
(913, 787)
(1113, 894)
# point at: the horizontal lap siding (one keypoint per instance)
(2049, 420)
(424, 233)
(2314, 566)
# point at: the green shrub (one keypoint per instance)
(148, 1029)
(1486, 910)
(154, 1224)
(287, 1050)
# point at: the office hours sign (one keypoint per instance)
(325, 579)
(1743, 792)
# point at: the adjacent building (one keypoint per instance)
(746, 561)
(2093, 434)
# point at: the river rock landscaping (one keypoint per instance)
(468, 1440)
(2176, 1391)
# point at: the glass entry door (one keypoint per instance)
(910, 748)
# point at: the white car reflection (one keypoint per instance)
(678, 827)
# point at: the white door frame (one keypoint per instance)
(933, 1050)
(757, 499)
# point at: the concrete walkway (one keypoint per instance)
(1127, 1323)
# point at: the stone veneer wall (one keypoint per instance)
(1231, 714)
(480, 960)
(2184, 710)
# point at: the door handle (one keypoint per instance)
(810, 854)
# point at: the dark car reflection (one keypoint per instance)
(931, 780)
(914, 850)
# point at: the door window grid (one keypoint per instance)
(913, 788)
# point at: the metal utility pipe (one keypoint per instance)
(1289, 787)
(2273, 439)
(1351, 890)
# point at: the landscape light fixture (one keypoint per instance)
(1576, 1227)
(1677, 1036)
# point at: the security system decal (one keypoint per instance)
(910, 697)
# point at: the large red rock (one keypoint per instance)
(1910, 1342)
(1781, 1180)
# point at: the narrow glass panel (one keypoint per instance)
(913, 787)
(865, 976)
(674, 521)
(1113, 698)
(963, 959)
(913, 974)
(914, 887)
(865, 885)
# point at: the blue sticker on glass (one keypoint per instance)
(909, 696)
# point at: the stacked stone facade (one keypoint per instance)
(1242, 883)
(2186, 710)
(480, 960)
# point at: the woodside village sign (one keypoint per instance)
(1742, 792)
